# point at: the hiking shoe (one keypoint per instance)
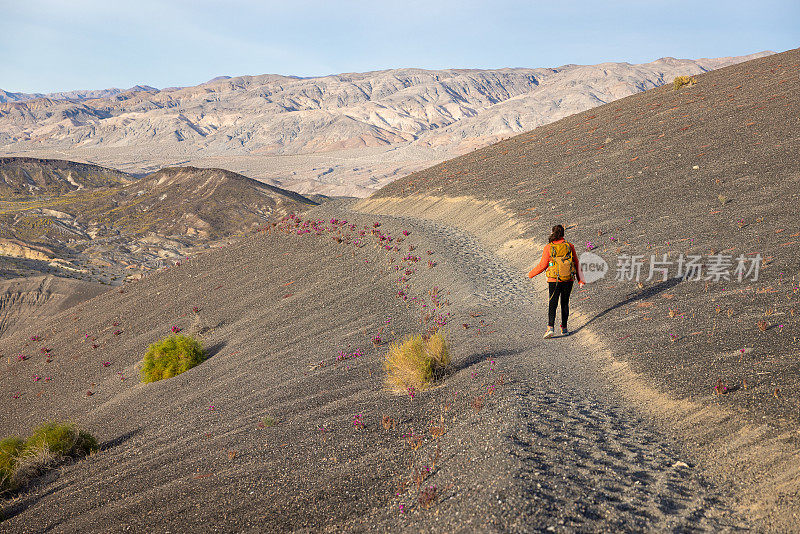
(550, 332)
(564, 331)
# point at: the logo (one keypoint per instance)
(593, 267)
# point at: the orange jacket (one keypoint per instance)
(545, 261)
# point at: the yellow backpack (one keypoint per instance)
(561, 266)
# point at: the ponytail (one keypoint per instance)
(558, 233)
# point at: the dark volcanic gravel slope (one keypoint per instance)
(525, 434)
(706, 170)
(189, 453)
(522, 436)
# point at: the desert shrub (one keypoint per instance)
(51, 443)
(170, 357)
(683, 81)
(268, 421)
(10, 450)
(61, 440)
(416, 361)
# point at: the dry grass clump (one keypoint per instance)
(683, 81)
(50, 444)
(10, 449)
(416, 361)
(170, 357)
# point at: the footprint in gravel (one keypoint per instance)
(590, 467)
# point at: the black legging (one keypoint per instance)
(559, 290)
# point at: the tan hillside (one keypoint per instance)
(344, 134)
(27, 177)
(107, 225)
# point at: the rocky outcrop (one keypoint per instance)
(19, 249)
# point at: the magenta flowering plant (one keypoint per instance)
(36, 338)
(358, 422)
(343, 355)
(175, 329)
(406, 232)
(106, 364)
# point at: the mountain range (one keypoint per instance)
(343, 134)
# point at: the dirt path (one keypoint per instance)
(581, 460)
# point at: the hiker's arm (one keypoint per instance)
(542, 263)
(577, 264)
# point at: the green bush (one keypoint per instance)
(268, 421)
(170, 357)
(416, 361)
(60, 439)
(51, 443)
(10, 450)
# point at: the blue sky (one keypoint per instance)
(52, 45)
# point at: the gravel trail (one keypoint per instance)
(581, 460)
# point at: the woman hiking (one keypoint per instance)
(561, 263)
